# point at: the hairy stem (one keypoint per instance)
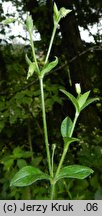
(52, 191)
(61, 160)
(45, 126)
(74, 123)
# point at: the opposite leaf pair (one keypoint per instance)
(67, 126)
(81, 101)
(47, 68)
(28, 175)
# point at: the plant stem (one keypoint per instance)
(67, 190)
(74, 123)
(61, 160)
(66, 147)
(33, 51)
(51, 42)
(52, 191)
(45, 126)
(52, 158)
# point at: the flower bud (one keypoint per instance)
(64, 12)
(53, 146)
(78, 88)
(29, 23)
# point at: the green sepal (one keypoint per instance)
(29, 24)
(48, 67)
(27, 176)
(74, 171)
(66, 127)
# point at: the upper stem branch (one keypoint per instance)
(51, 42)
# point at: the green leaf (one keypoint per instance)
(48, 67)
(28, 60)
(27, 154)
(36, 160)
(32, 69)
(74, 171)
(72, 98)
(18, 153)
(29, 24)
(8, 162)
(88, 102)
(8, 21)
(66, 127)
(27, 176)
(82, 99)
(69, 140)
